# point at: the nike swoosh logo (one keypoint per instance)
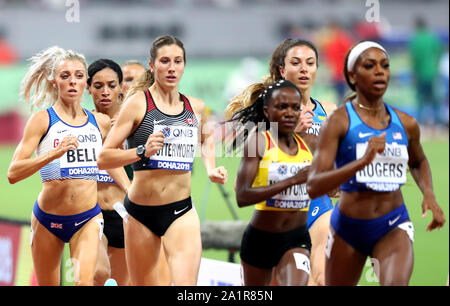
(158, 121)
(180, 211)
(391, 222)
(78, 223)
(362, 135)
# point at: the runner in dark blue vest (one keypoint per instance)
(365, 148)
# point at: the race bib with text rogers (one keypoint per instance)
(387, 172)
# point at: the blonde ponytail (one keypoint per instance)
(142, 83)
(246, 98)
(36, 87)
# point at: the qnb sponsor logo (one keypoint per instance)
(188, 133)
(83, 138)
(288, 170)
(393, 151)
(166, 131)
(87, 138)
(282, 169)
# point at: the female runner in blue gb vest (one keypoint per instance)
(67, 140)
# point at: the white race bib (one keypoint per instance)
(387, 172)
(294, 197)
(314, 129)
(179, 147)
(83, 160)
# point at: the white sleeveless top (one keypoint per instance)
(80, 163)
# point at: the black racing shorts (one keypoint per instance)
(113, 229)
(158, 218)
(264, 249)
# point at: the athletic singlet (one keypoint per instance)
(276, 166)
(319, 116)
(387, 172)
(180, 137)
(80, 163)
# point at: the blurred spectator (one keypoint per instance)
(8, 54)
(367, 30)
(425, 51)
(248, 72)
(334, 47)
(226, 4)
(304, 30)
(444, 72)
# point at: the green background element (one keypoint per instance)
(431, 248)
(207, 79)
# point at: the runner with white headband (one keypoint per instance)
(365, 149)
(359, 49)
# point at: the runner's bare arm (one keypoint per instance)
(22, 164)
(208, 150)
(130, 115)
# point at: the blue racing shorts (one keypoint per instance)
(318, 207)
(64, 227)
(363, 235)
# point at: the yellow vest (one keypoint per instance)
(276, 166)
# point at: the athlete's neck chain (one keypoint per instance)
(369, 108)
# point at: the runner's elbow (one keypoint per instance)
(242, 200)
(101, 161)
(12, 178)
(312, 188)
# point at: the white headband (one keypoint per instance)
(360, 48)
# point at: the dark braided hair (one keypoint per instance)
(244, 120)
